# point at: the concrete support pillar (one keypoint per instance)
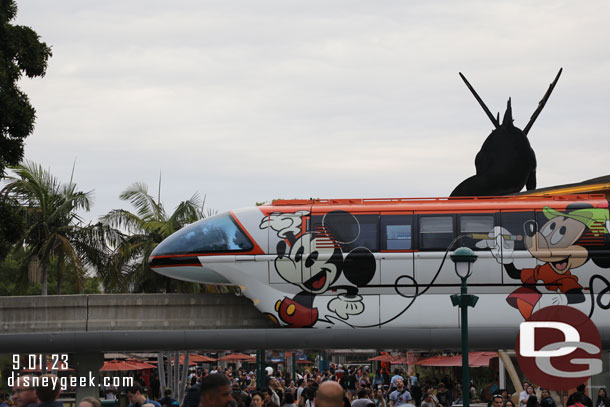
(501, 374)
(87, 365)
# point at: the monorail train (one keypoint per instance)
(369, 263)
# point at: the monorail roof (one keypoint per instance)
(455, 203)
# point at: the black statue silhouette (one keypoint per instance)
(506, 162)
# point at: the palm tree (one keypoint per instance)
(135, 235)
(51, 218)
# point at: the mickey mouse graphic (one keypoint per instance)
(556, 244)
(314, 261)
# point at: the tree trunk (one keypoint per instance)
(43, 268)
(60, 272)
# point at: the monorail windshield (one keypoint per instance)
(215, 234)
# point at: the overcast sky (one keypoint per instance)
(247, 101)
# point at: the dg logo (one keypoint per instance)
(558, 348)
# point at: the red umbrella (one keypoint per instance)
(118, 365)
(475, 359)
(384, 358)
(201, 358)
(400, 361)
(235, 356)
(140, 364)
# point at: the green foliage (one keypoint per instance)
(52, 222)
(12, 225)
(14, 278)
(135, 235)
(21, 51)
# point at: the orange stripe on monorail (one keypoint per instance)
(451, 204)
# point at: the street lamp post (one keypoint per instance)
(463, 258)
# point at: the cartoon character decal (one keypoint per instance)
(559, 245)
(314, 261)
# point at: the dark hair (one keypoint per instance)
(362, 393)
(213, 382)
(581, 388)
(259, 394)
(47, 393)
(532, 401)
(496, 396)
(168, 392)
(288, 398)
(577, 397)
(135, 388)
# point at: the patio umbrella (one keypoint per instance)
(201, 358)
(118, 365)
(235, 356)
(140, 364)
(384, 358)
(475, 359)
(400, 361)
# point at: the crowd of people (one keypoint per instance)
(357, 387)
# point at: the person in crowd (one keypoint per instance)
(401, 395)
(428, 401)
(288, 400)
(523, 396)
(155, 386)
(509, 403)
(377, 379)
(330, 394)
(396, 376)
(167, 399)
(268, 398)
(278, 392)
(193, 395)
(576, 399)
(363, 399)
(215, 391)
(379, 398)
(602, 398)
(137, 396)
(24, 394)
(351, 384)
(443, 396)
(497, 400)
(47, 392)
(89, 402)
(301, 383)
(545, 399)
(532, 401)
(585, 399)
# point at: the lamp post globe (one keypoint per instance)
(463, 258)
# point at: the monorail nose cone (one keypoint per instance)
(530, 227)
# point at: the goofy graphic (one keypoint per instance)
(557, 244)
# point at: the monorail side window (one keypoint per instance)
(349, 230)
(514, 222)
(396, 232)
(474, 228)
(436, 232)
